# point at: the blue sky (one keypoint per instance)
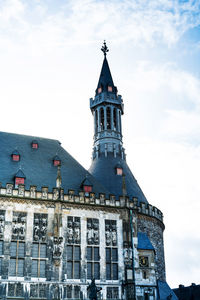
(50, 62)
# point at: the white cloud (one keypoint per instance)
(78, 21)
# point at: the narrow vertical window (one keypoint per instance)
(102, 118)
(111, 250)
(93, 266)
(1, 253)
(17, 253)
(115, 119)
(73, 262)
(108, 118)
(39, 260)
(72, 253)
(112, 293)
(119, 125)
(96, 121)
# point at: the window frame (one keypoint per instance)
(39, 259)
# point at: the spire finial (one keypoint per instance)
(104, 48)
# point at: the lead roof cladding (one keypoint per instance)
(104, 170)
(37, 164)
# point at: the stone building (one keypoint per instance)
(61, 225)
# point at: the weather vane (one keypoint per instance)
(104, 48)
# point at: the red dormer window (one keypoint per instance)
(34, 145)
(15, 157)
(19, 180)
(87, 188)
(109, 88)
(119, 171)
(99, 90)
(56, 161)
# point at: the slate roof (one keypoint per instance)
(104, 170)
(165, 291)
(143, 242)
(188, 292)
(37, 164)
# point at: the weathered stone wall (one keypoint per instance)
(154, 230)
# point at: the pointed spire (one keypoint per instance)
(105, 79)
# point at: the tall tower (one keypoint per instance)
(108, 160)
(107, 108)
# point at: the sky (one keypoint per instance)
(50, 61)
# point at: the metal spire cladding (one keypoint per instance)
(105, 79)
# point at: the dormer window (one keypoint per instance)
(56, 161)
(87, 186)
(18, 181)
(99, 90)
(119, 170)
(15, 156)
(34, 145)
(19, 178)
(109, 88)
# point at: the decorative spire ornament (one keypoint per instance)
(104, 48)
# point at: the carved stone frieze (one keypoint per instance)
(92, 231)
(111, 232)
(40, 227)
(21, 190)
(9, 189)
(19, 226)
(128, 254)
(73, 230)
(33, 191)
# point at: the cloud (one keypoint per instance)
(84, 21)
(168, 98)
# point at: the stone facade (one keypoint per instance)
(46, 244)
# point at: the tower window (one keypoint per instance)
(99, 90)
(96, 121)
(34, 145)
(108, 118)
(115, 119)
(109, 88)
(102, 118)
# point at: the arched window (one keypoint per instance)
(96, 121)
(102, 118)
(120, 121)
(115, 118)
(108, 118)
